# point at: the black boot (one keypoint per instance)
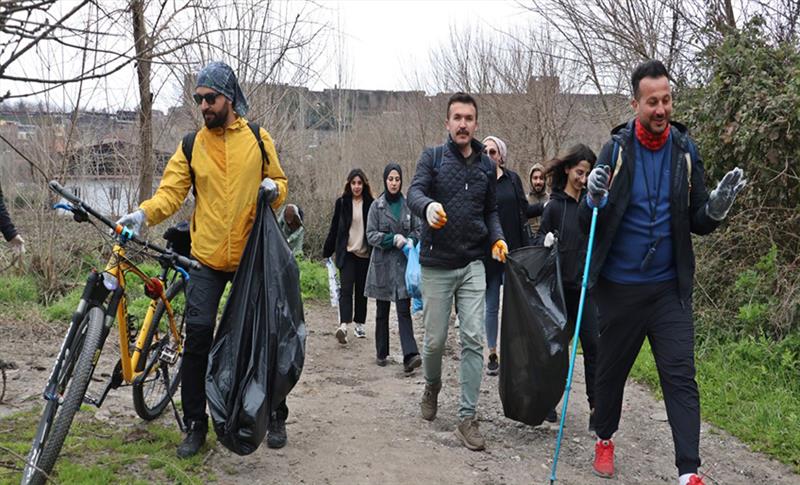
(276, 433)
(195, 439)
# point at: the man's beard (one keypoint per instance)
(218, 120)
(538, 190)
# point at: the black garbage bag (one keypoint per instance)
(534, 340)
(259, 348)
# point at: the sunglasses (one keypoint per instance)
(490, 151)
(210, 98)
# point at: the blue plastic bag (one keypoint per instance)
(413, 271)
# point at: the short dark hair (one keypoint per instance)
(575, 155)
(651, 68)
(461, 98)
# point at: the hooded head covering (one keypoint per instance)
(501, 145)
(221, 78)
(536, 166)
(389, 196)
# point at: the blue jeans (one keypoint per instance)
(467, 286)
(494, 279)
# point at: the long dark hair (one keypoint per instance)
(357, 172)
(556, 168)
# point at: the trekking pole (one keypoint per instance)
(584, 284)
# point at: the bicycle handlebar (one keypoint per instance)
(174, 259)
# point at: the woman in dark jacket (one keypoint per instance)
(567, 176)
(347, 239)
(512, 207)
(390, 227)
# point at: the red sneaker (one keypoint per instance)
(604, 459)
(696, 480)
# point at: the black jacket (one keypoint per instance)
(467, 194)
(514, 219)
(687, 202)
(561, 217)
(6, 226)
(339, 232)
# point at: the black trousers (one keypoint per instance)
(405, 328)
(353, 275)
(203, 294)
(587, 335)
(626, 314)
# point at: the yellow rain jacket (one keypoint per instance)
(228, 172)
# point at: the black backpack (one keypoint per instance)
(187, 145)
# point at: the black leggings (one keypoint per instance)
(405, 328)
(626, 315)
(353, 274)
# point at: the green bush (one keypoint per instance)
(62, 309)
(18, 289)
(313, 280)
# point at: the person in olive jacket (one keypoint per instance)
(390, 227)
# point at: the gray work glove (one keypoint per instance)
(134, 221)
(721, 199)
(17, 245)
(597, 184)
(270, 188)
(399, 241)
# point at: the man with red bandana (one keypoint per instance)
(649, 183)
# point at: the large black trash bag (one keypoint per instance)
(259, 348)
(534, 341)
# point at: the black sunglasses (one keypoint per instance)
(490, 151)
(210, 98)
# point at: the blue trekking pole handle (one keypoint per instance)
(584, 285)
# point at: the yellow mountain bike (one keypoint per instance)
(150, 356)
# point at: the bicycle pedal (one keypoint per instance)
(168, 355)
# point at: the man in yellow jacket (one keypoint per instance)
(226, 167)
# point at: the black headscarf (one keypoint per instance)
(389, 196)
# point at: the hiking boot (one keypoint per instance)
(276, 433)
(195, 439)
(381, 361)
(695, 480)
(430, 401)
(467, 431)
(359, 331)
(412, 363)
(493, 367)
(552, 416)
(341, 334)
(604, 459)
(591, 421)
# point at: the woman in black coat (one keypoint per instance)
(567, 175)
(348, 241)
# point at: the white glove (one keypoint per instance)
(134, 221)
(549, 239)
(721, 198)
(435, 215)
(270, 188)
(399, 241)
(17, 245)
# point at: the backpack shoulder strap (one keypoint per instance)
(187, 146)
(615, 161)
(438, 154)
(256, 129)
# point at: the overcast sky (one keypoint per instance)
(387, 40)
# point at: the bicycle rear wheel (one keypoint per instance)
(58, 414)
(151, 393)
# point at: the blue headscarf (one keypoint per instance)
(221, 78)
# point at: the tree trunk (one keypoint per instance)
(142, 46)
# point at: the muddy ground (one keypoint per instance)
(352, 422)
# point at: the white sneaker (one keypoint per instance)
(359, 331)
(341, 334)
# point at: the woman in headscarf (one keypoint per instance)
(512, 207)
(347, 240)
(390, 227)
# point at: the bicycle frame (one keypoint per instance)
(118, 265)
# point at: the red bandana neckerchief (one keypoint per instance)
(649, 140)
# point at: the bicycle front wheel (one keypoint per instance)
(58, 414)
(160, 359)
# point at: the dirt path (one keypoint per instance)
(354, 422)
